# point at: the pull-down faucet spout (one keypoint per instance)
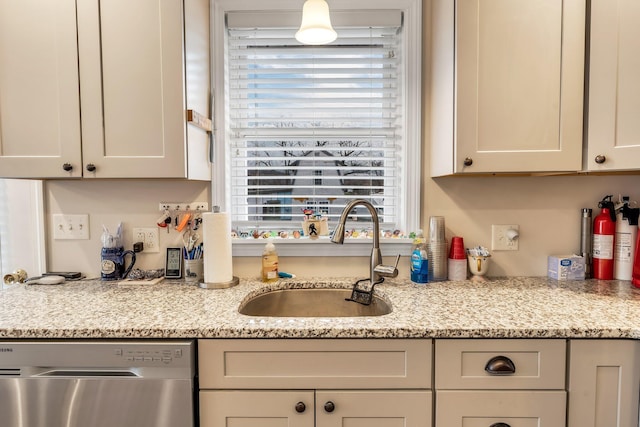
(376, 255)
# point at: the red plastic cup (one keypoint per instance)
(457, 248)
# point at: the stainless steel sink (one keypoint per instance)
(311, 303)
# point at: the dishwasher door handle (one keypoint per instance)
(84, 373)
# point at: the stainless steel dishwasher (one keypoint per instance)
(97, 383)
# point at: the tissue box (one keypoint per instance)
(565, 267)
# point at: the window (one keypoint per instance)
(21, 227)
(313, 127)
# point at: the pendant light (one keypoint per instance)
(316, 26)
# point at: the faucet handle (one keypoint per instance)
(387, 270)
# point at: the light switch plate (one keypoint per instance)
(70, 227)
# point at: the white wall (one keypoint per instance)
(134, 202)
(546, 208)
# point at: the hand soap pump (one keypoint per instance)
(269, 263)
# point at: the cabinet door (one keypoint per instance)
(256, 409)
(373, 408)
(39, 96)
(132, 88)
(614, 86)
(604, 382)
(518, 87)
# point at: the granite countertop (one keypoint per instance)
(514, 307)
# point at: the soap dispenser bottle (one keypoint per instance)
(419, 259)
(269, 263)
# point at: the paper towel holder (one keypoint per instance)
(221, 285)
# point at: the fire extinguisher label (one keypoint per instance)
(624, 247)
(603, 246)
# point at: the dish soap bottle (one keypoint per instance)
(419, 260)
(269, 263)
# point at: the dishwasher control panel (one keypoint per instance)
(160, 355)
(98, 353)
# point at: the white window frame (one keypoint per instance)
(411, 92)
(22, 240)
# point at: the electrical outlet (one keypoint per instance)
(70, 227)
(149, 237)
(184, 206)
(504, 237)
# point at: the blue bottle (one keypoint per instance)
(419, 260)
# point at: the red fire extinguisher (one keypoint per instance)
(604, 230)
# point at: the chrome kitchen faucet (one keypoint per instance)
(377, 271)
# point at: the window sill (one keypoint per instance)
(321, 247)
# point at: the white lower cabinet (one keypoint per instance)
(388, 383)
(500, 383)
(323, 383)
(604, 382)
(308, 408)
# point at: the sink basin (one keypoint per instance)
(311, 303)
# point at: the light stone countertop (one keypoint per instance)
(514, 307)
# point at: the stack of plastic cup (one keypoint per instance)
(457, 265)
(437, 249)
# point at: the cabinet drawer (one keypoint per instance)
(486, 364)
(487, 407)
(296, 364)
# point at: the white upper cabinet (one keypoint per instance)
(507, 86)
(39, 95)
(614, 86)
(138, 65)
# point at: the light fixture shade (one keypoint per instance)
(316, 24)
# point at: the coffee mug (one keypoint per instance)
(479, 265)
(112, 266)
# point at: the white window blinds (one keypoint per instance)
(314, 127)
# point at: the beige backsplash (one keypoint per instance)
(546, 208)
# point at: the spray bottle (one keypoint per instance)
(604, 229)
(625, 239)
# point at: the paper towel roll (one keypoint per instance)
(216, 239)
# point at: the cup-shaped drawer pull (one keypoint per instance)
(499, 425)
(500, 365)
